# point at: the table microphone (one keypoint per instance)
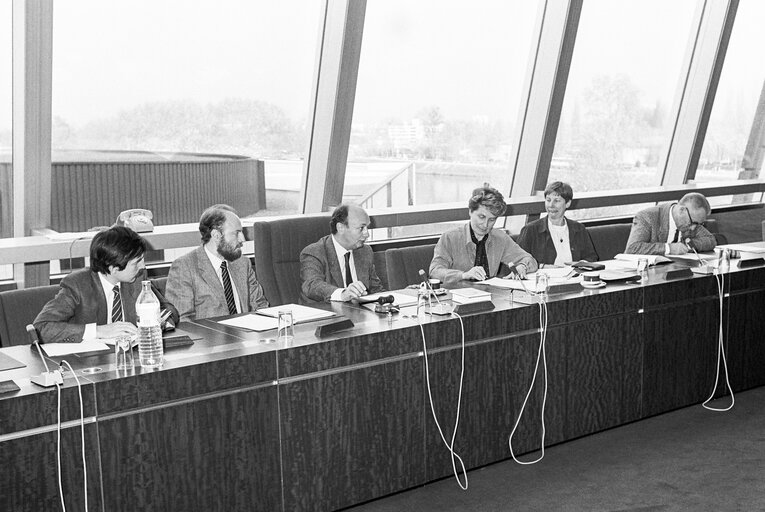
(439, 308)
(47, 378)
(689, 245)
(389, 299)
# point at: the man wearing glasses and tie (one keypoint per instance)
(339, 267)
(214, 279)
(671, 228)
(99, 302)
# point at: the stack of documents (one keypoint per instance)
(467, 295)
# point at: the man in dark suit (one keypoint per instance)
(671, 228)
(99, 302)
(214, 279)
(339, 266)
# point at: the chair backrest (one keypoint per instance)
(404, 263)
(160, 283)
(609, 240)
(277, 253)
(19, 308)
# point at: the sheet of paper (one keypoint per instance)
(65, 349)
(757, 247)
(251, 322)
(514, 284)
(692, 257)
(299, 313)
(557, 273)
(653, 259)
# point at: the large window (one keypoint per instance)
(436, 100)
(725, 155)
(6, 156)
(6, 76)
(186, 80)
(624, 75)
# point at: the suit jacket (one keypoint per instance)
(193, 286)
(81, 301)
(650, 230)
(535, 238)
(320, 273)
(455, 253)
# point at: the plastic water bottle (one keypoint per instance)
(150, 349)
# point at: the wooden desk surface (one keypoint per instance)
(317, 424)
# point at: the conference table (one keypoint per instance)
(236, 421)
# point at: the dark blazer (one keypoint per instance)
(81, 301)
(320, 273)
(650, 230)
(193, 286)
(535, 239)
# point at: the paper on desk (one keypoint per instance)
(557, 273)
(252, 322)
(299, 313)
(530, 283)
(755, 247)
(65, 349)
(514, 284)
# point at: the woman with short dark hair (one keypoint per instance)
(556, 240)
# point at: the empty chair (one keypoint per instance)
(19, 308)
(609, 240)
(277, 254)
(404, 263)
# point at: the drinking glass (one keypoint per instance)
(285, 331)
(123, 352)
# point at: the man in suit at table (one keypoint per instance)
(671, 228)
(214, 279)
(339, 267)
(99, 302)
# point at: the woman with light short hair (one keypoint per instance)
(476, 251)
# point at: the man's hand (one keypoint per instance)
(355, 289)
(522, 270)
(475, 273)
(116, 329)
(678, 248)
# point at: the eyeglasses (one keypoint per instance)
(693, 223)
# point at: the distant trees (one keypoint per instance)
(235, 126)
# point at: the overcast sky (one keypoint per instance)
(470, 59)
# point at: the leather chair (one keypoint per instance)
(404, 263)
(18, 308)
(277, 253)
(609, 240)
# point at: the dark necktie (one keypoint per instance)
(116, 305)
(481, 260)
(348, 276)
(227, 289)
(677, 236)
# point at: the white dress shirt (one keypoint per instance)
(216, 260)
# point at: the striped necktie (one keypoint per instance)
(116, 305)
(227, 289)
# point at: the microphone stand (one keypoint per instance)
(703, 268)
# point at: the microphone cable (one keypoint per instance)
(449, 445)
(541, 355)
(720, 278)
(82, 437)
